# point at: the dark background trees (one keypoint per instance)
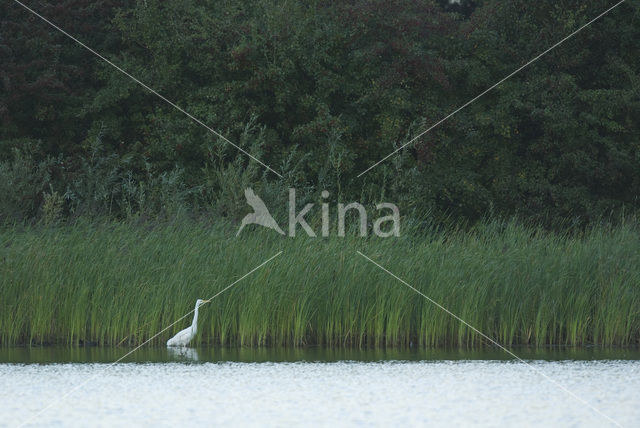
(320, 91)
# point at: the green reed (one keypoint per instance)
(119, 284)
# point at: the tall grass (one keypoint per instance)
(118, 284)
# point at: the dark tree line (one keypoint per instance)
(320, 91)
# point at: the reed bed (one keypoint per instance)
(119, 284)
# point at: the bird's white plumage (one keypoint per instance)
(185, 336)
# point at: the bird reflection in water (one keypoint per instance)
(183, 354)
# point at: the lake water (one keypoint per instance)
(244, 387)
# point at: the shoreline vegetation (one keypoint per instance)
(106, 191)
(117, 284)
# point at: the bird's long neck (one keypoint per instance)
(194, 324)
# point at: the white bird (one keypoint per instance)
(184, 337)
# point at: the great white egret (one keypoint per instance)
(184, 337)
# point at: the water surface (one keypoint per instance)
(316, 387)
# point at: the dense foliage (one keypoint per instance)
(320, 91)
(117, 283)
